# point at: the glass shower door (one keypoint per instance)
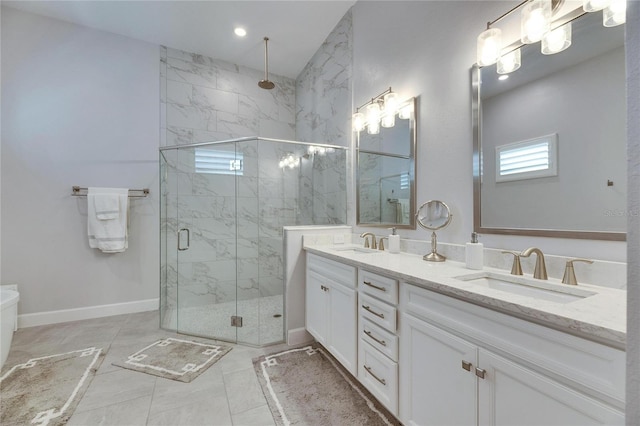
(206, 241)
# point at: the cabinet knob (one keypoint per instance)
(466, 365)
(480, 372)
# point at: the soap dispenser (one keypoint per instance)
(394, 241)
(474, 253)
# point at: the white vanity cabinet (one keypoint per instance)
(463, 364)
(378, 341)
(331, 310)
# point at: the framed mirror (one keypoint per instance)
(573, 105)
(385, 175)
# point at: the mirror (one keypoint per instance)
(574, 102)
(385, 177)
(434, 215)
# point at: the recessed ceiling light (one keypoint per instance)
(240, 32)
(503, 77)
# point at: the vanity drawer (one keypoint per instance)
(379, 312)
(376, 285)
(336, 271)
(379, 374)
(379, 338)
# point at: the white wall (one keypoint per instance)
(80, 107)
(426, 49)
(633, 175)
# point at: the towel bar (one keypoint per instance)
(133, 193)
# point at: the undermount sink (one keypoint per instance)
(355, 249)
(524, 286)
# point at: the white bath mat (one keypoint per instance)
(174, 359)
(46, 390)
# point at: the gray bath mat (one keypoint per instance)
(46, 390)
(307, 386)
(175, 359)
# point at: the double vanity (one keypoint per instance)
(437, 343)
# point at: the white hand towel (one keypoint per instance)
(107, 219)
(107, 205)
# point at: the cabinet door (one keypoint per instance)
(316, 306)
(342, 319)
(511, 394)
(437, 381)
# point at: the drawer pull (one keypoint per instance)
(374, 286)
(368, 308)
(480, 372)
(383, 381)
(382, 342)
(466, 365)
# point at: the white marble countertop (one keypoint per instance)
(600, 317)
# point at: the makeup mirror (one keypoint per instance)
(434, 215)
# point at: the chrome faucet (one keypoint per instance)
(374, 244)
(381, 244)
(540, 271)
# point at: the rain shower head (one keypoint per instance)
(266, 83)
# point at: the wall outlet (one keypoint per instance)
(338, 239)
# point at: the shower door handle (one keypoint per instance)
(188, 239)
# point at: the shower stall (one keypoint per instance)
(223, 206)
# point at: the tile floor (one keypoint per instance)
(228, 393)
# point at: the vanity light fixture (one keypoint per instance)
(381, 111)
(509, 62)
(557, 40)
(535, 21)
(289, 161)
(489, 46)
(536, 24)
(374, 112)
(594, 5)
(615, 13)
(405, 111)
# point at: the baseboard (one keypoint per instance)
(89, 312)
(298, 336)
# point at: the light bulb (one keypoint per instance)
(615, 13)
(405, 111)
(509, 62)
(535, 20)
(388, 120)
(358, 121)
(391, 103)
(489, 46)
(557, 40)
(373, 118)
(594, 5)
(373, 128)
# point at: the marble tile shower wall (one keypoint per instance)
(323, 90)
(204, 99)
(323, 115)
